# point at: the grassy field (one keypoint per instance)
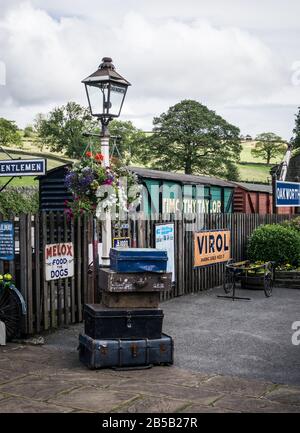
(255, 173)
(246, 155)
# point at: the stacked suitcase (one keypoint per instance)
(125, 329)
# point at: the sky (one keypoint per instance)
(239, 58)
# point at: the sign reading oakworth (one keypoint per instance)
(59, 261)
(211, 247)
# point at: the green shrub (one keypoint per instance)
(274, 242)
(292, 223)
(18, 200)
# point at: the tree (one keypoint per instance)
(268, 145)
(9, 133)
(38, 126)
(191, 138)
(127, 139)
(62, 130)
(296, 131)
(28, 131)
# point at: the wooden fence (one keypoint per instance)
(52, 304)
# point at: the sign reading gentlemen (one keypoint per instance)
(211, 247)
(22, 167)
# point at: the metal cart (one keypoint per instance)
(257, 275)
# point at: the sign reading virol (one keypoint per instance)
(287, 194)
(211, 247)
(59, 260)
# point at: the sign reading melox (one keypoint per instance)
(287, 194)
(211, 247)
(22, 167)
(59, 261)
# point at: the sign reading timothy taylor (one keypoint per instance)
(59, 261)
(211, 247)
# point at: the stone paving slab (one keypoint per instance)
(94, 399)
(285, 395)
(147, 404)
(38, 388)
(169, 375)
(238, 404)
(7, 376)
(201, 395)
(19, 405)
(198, 408)
(239, 386)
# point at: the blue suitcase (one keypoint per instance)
(138, 260)
(128, 353)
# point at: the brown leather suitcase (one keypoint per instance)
(111, 281)
(131, 299)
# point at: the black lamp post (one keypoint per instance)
(106, 90)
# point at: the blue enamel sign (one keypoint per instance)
(287, 194)
(7, 241)
(22, 167)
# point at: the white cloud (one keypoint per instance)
(167, 57)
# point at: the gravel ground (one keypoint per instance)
(250, 339)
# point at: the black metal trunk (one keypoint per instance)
(107, 323)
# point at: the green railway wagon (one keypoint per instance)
(166, 192)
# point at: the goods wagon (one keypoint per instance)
(164, 192)
(167, 192)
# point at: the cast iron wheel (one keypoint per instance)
(268, 284)
(228, 282)
(10, 313)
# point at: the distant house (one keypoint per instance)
(248, 137)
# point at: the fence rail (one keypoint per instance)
(52, 304)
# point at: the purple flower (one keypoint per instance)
(70, 179)
(85, 181)
(108, 182)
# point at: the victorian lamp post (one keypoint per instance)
(106, 90)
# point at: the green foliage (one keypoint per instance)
(232, 171)
(29, 131)
(191, 138)
(16, 201)
(296, 131)
(293, 223)
(9, 133)
(268, 146)
(127, 139)
(274, 242)
(62, 130)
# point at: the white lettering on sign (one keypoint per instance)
(187, 205)
(59, 261)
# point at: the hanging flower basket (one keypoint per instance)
(97, 189)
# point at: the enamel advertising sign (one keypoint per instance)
(59, 260)
(287, 194)
(211, 247)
